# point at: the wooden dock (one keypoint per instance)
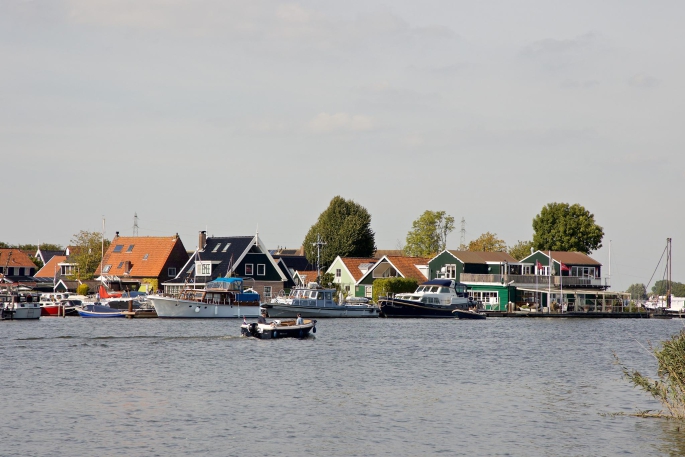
(140, 314)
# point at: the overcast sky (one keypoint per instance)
(238, 115)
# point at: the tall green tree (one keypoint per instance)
(564, 227)
(488, 242)
(520, 250)
(660, 288)
(345, 227)
(637, 291)
(428, 234)
(87, 253)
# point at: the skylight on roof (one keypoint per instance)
(121, 264)
(118, 248)
(226, 247)
(145, 256)
(130, 248)
(216, 248)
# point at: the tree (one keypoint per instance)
(661, 287)
(488, 242)
(637, 292)
(87, 253)
(564, 227)
(428, 235)
(520, 250)
(345, 227)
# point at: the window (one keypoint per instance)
(121, 264)
(261, 269)
(527, 269)
(338, 272)
(118, 248)
(130, 248)
(146, 256)
(107, 268)
(203, 268)
(248, 269)
(368, 291)
(171, 271)
(451, 271)
(226, 247)
(484, 296)
(267, 293)
(21, 271)
(216, 248)
(10, 271)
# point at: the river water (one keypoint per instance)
(359, 387)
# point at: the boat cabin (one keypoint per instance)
(221, 291)
(313, 295)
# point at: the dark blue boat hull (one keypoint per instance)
(393, 307)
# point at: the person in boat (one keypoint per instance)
(262, 317)
(299, 321)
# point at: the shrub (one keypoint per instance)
(670, 388)
(385, 286)
(83, 289)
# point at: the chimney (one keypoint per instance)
(202, 241)
(116, 235)
(127, 267)
(176, 236)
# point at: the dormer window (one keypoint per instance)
(118, 248)
(130, 248)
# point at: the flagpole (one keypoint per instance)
(549, 283)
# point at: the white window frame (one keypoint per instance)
(451, 271)
(368, 291)
(107, 268)
(526, 269)
(490, 297)
(251, 273)
(267, 293)
(203, 268)
(171, 271)
(338, 272)
(261, 267)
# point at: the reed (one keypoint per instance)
(669, 388)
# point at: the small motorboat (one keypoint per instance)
(468, 314)
(279, 329)
(98, 310)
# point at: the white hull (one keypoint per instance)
(278, 310)
(28, 311)
(173, 307)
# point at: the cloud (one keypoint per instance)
(550, 46)
(574, 84)
(643, 81)
(340, 122)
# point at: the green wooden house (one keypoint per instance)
(347, 271)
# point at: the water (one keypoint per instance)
(360, 387)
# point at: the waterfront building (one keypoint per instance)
(347, 271)
(392, 267)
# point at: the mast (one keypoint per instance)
(668, 273)
(102, 249)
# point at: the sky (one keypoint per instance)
(243, 116)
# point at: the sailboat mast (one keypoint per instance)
(668, 273)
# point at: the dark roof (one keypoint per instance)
(295, 262)
(215, 250)
(47, 255)
(483, 257)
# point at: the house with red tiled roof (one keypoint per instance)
(392, 267)
(347, 271)
(54, 268)
(132, 261)
(304, 277)
(16, 266)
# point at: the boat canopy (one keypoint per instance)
(226, 284)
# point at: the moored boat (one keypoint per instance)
(314, 301)
(279, 329)
(221, 298)
(19, 306)
(432, 299)
(98, 310)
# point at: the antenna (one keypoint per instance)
(318, 245)
(462, 236)
(135, 224)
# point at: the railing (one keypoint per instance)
(527, 280)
